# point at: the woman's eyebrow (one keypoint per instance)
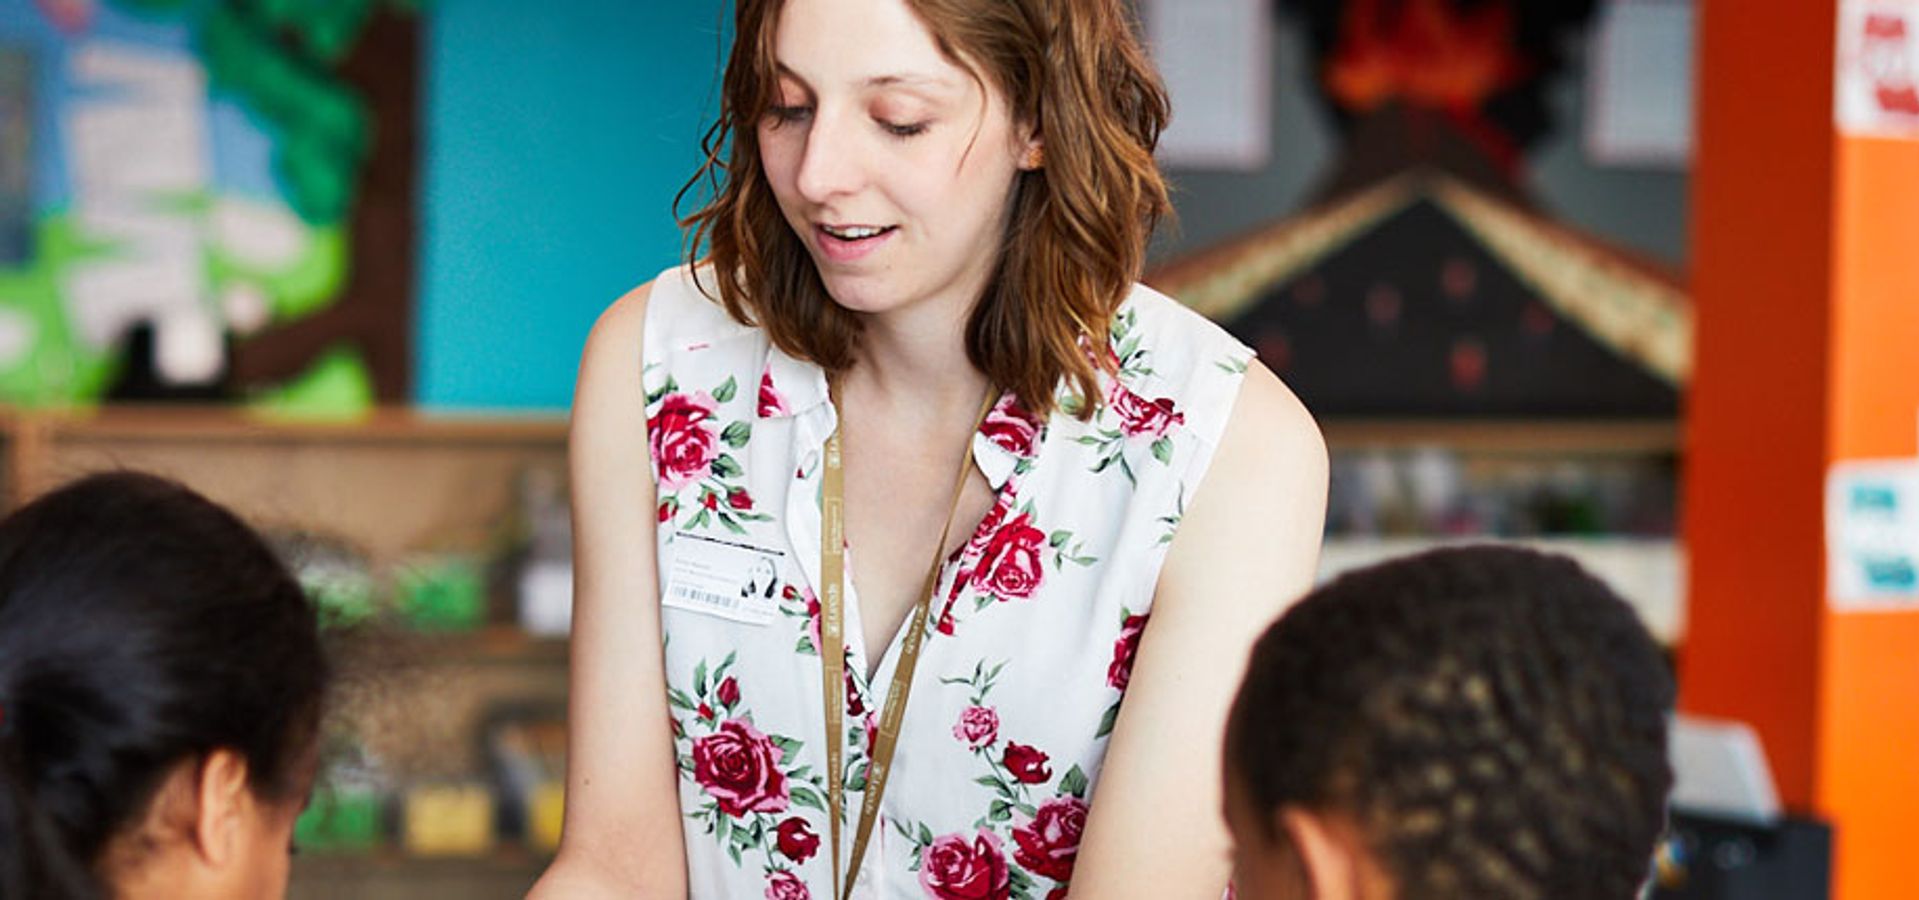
(910, 80)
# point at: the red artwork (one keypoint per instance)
(1886, 57)
(1423, 52)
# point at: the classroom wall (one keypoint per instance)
(555, 143)
(555, 140)
(1639, 208)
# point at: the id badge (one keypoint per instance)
(729, 579)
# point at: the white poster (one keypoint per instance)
(1872, 534)
(1216, 58)
(1877, 84)
(1639, 109)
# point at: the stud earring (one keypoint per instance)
(1035, 159)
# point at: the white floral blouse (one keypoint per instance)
(1030, 639)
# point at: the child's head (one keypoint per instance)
(161, 685)
(1485, 723)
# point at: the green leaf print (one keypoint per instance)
(725, 392)
(1074, 783)
(804, 796)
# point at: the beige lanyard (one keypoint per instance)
(833, 652)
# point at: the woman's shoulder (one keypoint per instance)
(1168, 320)
(1165, 353)
(683, 309)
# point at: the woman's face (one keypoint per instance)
(893, 164)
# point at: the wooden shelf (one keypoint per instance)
(1528, 436)
(505, 873)
(393, 482)
(207, 423)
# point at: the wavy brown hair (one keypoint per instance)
(1076, 237)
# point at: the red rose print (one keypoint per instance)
(946, 619)
(682, 439)
(1120, 672)
(1009, 568)
(728, 692)
(784, 885)
(1049, 844)
(666, 510)
(956, 868)
(797, 840)
(706, 712)
(739, 767)
(771, 403)
(1027, 764)
(1139, 416)
(711, 500)
(983, 535)
(854, 705)
(1011, 427)
(739, 499)
(978, 727)
(813, 618)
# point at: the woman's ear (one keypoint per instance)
(1033, 151)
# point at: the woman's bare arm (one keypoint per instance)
(1247, 547)
(622, 835)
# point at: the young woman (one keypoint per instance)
(161, 684)
(916, 311)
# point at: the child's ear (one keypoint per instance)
(224, 803)
(1332, 853)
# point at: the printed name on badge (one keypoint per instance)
(722, 578)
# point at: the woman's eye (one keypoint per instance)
(909, 130)
(783, 115)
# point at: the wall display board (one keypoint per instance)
(206, 199)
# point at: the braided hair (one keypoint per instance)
(1493, 718)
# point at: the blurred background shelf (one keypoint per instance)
(1648, 573)
(1533, 437)
(392, 482)
(501, 875)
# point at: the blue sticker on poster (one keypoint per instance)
(1872, 534)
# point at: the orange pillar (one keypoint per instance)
(1806, 285)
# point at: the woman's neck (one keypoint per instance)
(913, 362)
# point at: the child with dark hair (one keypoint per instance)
(1486, 723)
(161, 687)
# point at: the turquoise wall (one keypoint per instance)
(556, 135)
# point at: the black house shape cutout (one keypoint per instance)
(1424, 283)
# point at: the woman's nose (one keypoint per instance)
(830, 164)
